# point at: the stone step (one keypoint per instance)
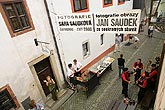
(62, 97)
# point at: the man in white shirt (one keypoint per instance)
(77, 67)
(118, 40)
(151, 30)
(71, 76)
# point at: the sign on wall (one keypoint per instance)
(126, 22)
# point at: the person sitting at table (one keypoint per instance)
(77, 66)
(72, 77)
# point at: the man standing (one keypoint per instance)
(125, 81)
(121, 62)
(118, 40)
(142, 83)
(137, 66)
(151, 30)
(153, 76)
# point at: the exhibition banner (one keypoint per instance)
(125, 22)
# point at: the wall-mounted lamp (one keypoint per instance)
(36, 42)
(45, 49)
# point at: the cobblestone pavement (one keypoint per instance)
(110, 88)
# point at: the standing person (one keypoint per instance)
(71, 76)
(140, 27)
(35, 106)
(137, 66)
(153, 76)
(151, 30)
(118, 40)
(142, 83)
(77, 67)
(125, 81)
(121, 62)
(161, 14)
(52, 87)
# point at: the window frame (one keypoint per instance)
(120, 3)
(81, 10)
(108, 4)
(10, 92)
(8, 22)
(88, 52)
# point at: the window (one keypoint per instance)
(102, 39)
(79, 5)
(7, 99)
(16, 17)
(85, 47)
(121, 2)
(107, 3)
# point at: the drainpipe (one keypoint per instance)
(54, 38)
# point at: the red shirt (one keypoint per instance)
(125, 76)
(144, 85)
(153, 75)
(136, 64)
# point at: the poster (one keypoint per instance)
(124, 22)
(75, 23)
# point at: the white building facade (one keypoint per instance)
(87, 48)
(24, 65)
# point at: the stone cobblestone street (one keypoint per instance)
(110, 84)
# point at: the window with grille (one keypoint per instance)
(16, 15)
(80, 5)
(6, 101)
(85, 47)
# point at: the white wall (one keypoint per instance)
(16, 52)
(70, 44)
(160, 96)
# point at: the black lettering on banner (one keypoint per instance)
(98, 29)
(102, 22)
(63, 23)
(113, 22)
(130, 29)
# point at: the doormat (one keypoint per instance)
(128, 44)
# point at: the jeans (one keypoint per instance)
(120, 70)
(125, 89)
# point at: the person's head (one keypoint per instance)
(70, 65)
(32, 104)
(125, 69)
(48, 78)
(121, 55)
(139, 60)
(146, 74)
(153, 66)
(75, 61)
(143, 75)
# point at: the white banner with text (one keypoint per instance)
(125, 22)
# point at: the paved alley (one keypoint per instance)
(110, 88)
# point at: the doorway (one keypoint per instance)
(44, 69)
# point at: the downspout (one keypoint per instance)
(54, 38)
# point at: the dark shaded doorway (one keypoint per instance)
(44, 69)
